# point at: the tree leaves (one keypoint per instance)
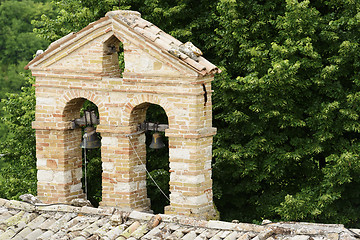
(286, 103)
(19, 170)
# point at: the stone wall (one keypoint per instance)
(87, 69)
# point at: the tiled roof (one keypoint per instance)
(21, 221)
(186, 53)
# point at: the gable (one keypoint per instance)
(147, 49)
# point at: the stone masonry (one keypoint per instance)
(84, 65)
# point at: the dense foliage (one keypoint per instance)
(286, 105)
(18, 170)
(18, 44)
(288, 123)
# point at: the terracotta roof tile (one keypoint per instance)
(57, 44)
(152, 35)
(18, 221)
(154, 29)
(166, 41)
(142, 23)
(195, 64)
(168, 36)
(147, 34)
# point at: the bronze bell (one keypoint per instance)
(156, 142)
(90, 139)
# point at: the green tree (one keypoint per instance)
(286, 106)
(71, 16)
(287, 110)
(18, 45)
(18, 169)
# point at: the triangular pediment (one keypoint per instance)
(146, 48)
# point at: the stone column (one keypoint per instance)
(190, 174)
(124, 176)
(59, 162)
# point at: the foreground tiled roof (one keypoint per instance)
(19, 220)
(144, 29)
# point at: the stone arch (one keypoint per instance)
(71, 138)
(147, 99)
(112, 49)
(70, 103)
(138, 155)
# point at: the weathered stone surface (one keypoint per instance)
(21, 224)
(33, 235)
(80, 202)
(19, 205)
(3, 202)
(14, 219)
(46, 235)
(29, 198)
(140, 215)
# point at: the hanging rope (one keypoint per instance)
(132, 145)
(85, 167)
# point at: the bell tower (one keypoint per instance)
(159, 69)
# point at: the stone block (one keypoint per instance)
(125, 186)
(45, 101)
(77, 173)
(179, 153)
(109, 141)
(184, 178)
(108, 166)
(45, 175)
(76, 187)
(41, 162)
(62, 177)
(179, 166)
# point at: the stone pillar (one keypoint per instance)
(124, 175)
(190, 174)
(59, 162)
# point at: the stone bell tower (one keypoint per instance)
(159, 69)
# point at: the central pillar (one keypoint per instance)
(124, 175)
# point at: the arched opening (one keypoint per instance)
(157, 162)
(113, 59)
(75, 110)
(156, 176)
(92, 164)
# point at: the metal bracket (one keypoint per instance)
(148, 126)
(88, 119)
